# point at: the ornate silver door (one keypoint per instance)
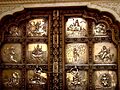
(66, 48)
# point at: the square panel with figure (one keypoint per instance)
(76, 53)
(105, 53)
(37, 53)
(11, 53)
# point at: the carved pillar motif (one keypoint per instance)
(55, 48)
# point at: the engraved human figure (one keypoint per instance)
(14, 31)
(37, 53)
(40, 28)
(13, 80)
(76, 78)
(104, 54)
(37, 78)
(100, 29)
(77, 26)
(75, 54)
(12, 54)
(37, 28)
(78, 82)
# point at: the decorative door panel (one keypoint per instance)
(37, 53)
(11, 53)
(90, 57)
(75, 27)
(26, 50)
(62, 48)
(76, 53)
(105, 79)
(105, 53)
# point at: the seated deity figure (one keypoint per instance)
(37, 53)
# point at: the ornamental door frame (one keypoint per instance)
(56, 41)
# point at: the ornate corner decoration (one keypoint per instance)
(111, 7)
(9, 9)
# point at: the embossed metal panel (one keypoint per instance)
(76, 53)
(100, 29)
(14, 30)
(105, 80)
(11, 53)
(76, 79)
(11, 78)
(76, 27)
(37, 77)
(37, 53)
(105, 53)
(37, 27)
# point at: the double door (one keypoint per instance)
(66, 48)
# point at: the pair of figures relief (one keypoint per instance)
(77, 27)
(102, 80)
(35, 27)
(102, 52)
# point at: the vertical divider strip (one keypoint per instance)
(55, 49)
